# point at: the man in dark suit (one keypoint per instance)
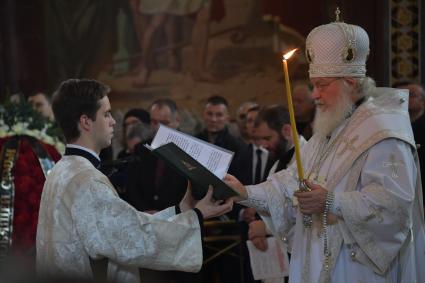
(273, 131)
(251, 167)
(216, 118)
(153, 185)
(254, 161)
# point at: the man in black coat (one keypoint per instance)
(153, 185)
(254, 161)
(216, 118)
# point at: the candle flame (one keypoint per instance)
(289, 54)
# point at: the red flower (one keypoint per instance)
(29, 180)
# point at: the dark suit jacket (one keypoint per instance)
(144, 192)
(226, 140)
(285, 159)
(243, 166)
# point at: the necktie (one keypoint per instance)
(258, 167)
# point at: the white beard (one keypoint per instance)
(327, 121)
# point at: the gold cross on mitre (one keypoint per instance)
(337, 12)
(393, 164)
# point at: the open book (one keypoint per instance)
(202, 163)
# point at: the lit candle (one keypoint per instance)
(292, 115)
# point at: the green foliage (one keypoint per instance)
(19, 111)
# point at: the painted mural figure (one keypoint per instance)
(163, 14)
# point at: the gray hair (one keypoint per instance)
(366, 87)
(140, 130)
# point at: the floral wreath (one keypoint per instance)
(19, 118)
(19, 121)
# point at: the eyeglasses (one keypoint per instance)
(322, 85)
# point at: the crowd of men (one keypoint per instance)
(361, 219)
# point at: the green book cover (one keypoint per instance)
(191, 169)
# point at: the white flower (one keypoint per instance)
(21, 127)
(18, 128)
(49, 140)
(60, 147)
(32, 133)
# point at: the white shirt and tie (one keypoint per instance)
(259, 162)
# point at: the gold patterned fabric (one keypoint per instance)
(406, 34)
(379, 234)
(81, 216)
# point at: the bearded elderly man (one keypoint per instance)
(361, 166)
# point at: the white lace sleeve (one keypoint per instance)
(109, 227)
(273, 199)
(257, 198)
(166, 213)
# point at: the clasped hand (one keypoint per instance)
(312, 202)
(258, 235)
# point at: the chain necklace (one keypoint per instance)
(327, 147)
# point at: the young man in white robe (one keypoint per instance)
(365, 203)
(85, 230)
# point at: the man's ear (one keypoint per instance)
(286, 131)
(85, 123)
(351, 83)
(353, 86)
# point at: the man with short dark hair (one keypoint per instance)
(41, 103)
(254, 161)
(85, 230)
(164, 111)
(216, 118)
(274, 133)
(153, 185)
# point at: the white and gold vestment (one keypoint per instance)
(82, 217)
(377, 231)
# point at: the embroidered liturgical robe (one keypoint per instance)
(377, 231)
(81, 216)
